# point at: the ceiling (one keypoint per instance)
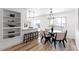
(43, 11)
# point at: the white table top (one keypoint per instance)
(56, 31)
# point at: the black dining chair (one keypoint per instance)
(65, 36)
(46, 36)
(42, 35)
(53, 36)
(60, 37)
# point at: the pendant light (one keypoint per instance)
(51, 16)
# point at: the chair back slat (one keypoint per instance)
(65, 34)
(61, 36)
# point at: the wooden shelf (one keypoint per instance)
(12, 33)
(8, 17)
(11, 17)
(11, 27)
(17, 36)
(12, 22)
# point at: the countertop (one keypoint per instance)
(28, 30)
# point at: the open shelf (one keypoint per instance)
(12, 33)
(11, 24)
(11, 27)
(11, 17)
(7, 36)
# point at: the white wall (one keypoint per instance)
(44, 22)
(70, 19)
(77, 28)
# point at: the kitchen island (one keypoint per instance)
(29, 34)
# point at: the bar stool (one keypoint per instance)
(31, 36)
(36, 34)
(25, 38)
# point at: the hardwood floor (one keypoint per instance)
(36, 45)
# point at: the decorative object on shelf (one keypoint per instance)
(25, 25)
(12, 15)
(11, 36)
(11, 32)
(11, 25)
(30, 27)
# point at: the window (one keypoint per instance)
(35, 23)
(58, 22)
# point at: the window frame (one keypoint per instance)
(61, 26)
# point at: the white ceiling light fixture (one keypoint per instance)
(29, 13)
(51, 14)
(51, 17)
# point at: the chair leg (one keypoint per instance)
(63, 43)
(53, 40)
(55, 44)
(59, 42)
(50, 41)
(66, 40)
(41, 38)
(45, 41)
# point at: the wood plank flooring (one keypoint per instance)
(35, 45)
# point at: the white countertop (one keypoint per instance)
(28, 30)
